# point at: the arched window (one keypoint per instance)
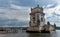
(38, 21)
(33, 19)
(37, 16)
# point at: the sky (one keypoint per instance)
(16, 12)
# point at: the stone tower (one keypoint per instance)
(37, 20)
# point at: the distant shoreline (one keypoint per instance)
(23, 28)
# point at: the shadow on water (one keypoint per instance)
(55, 34)
(38, 35)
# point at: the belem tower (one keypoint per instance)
(37, 21)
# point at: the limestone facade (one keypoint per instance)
(37, 19)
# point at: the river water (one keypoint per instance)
(24, 34)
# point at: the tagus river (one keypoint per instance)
(24, 34)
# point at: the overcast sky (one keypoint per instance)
(20, 9)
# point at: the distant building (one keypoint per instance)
(37, 20)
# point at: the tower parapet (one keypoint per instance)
(37, 9)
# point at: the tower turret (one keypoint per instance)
(37, 19)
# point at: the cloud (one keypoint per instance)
(12, 23)
(24, 3)
(50, 10)
(24, 11)
(49, 5)
(46, 2)
(57, 9)
(4, 3)
(57, 1)
(19, 9)
(32, 3)
(53, 14)
(16, 12)
(13, 11)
